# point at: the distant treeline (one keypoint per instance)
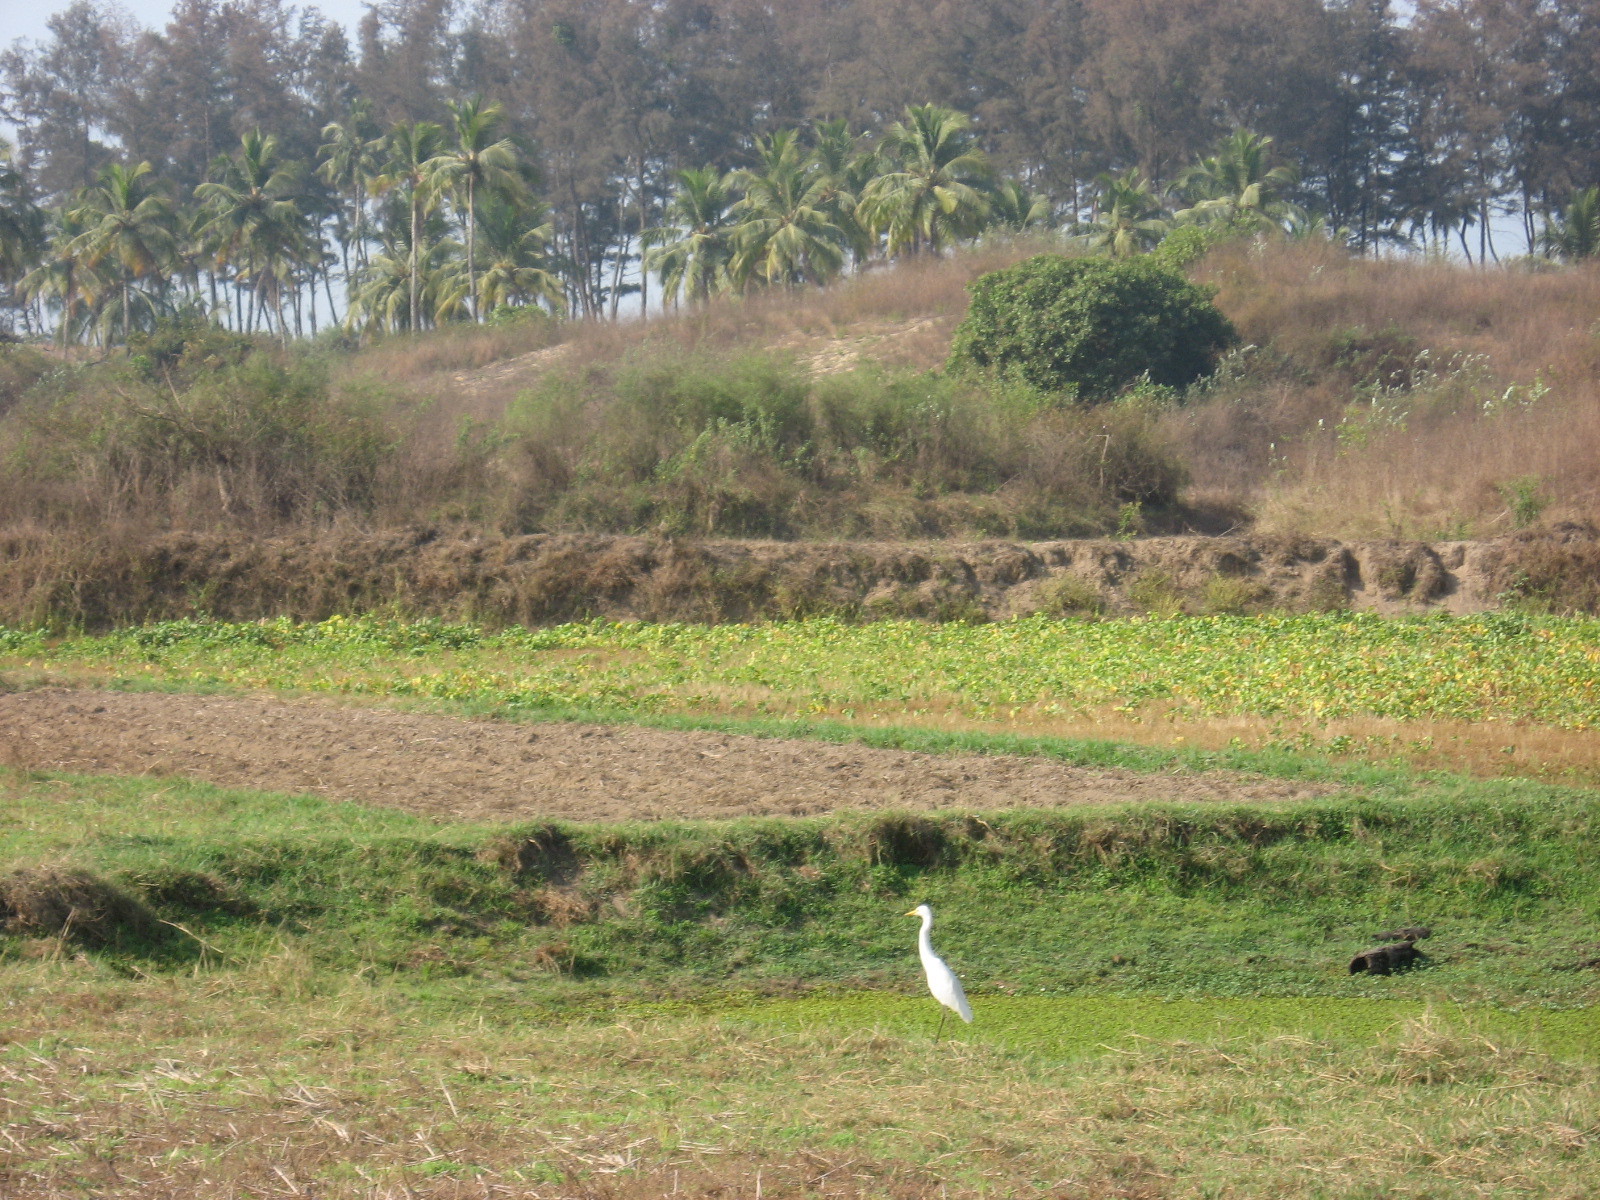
(588, 134)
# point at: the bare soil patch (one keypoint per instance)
(479, 770)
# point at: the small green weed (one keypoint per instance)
(1525, 500)
(1157, 593)
(1234, 595)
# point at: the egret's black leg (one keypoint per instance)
(940, 1030)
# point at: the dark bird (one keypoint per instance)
(1383, 959)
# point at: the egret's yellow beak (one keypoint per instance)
(912, 913)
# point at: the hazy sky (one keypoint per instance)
(22, 19)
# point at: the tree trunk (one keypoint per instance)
(360, 237)
(416, 209)
(616, 277)
(472, 261)
(327, 285)
(644, 276)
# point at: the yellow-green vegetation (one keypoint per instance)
(1503, 667)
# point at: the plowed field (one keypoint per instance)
(483, 770)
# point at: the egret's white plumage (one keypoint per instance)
(942, 981)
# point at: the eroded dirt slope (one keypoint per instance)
(487, 771)
(539, 578)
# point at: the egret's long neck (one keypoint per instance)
(924, 937)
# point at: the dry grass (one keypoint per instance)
(1274, 441)
(66, 904)
(446, 352)
(902, 316)
(908, 293)
(270, 1083)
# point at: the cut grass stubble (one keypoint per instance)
(213, 1087)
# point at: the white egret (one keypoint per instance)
(942, 981)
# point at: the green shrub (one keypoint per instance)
(1235, 594)
(1388, 358)
(1187, 244)
(1090, 326)
(1070, 596)
(1156, 592)
(20, 368)
(1524, 500)
(181, 348)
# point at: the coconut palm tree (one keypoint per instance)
(63, 280)
(936, 189)
(786, 233)
(254, 222)
(1236, 184)
(517, 268)
(844, 168)
(350, 158)
(409, 149)
(128, 234)
(22, 223)
(401, 290)
(693, 247)
(1575, 234)
(1128, 218)
(1016, 209)
(478, 162)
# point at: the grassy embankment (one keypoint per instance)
(722, 903)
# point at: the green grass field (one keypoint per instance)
(329, 999)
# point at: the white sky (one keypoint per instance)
(22, 19)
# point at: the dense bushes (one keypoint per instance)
(751, 446)
(20, 369)
(255, 441)
(199, 431)
(1090, 326)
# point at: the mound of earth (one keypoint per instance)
(536, 579)
(489, 771)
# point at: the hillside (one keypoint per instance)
(1370, 402)
(1370, 398)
